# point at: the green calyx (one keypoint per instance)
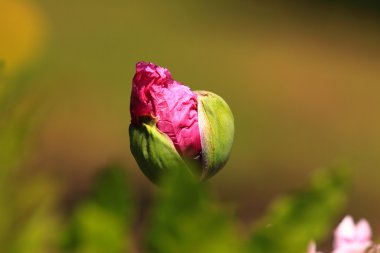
(216, 124)
(154, 151)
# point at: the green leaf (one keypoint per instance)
(294, 220)
(100, 223)
(186, 219)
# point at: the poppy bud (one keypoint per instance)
(175, 128)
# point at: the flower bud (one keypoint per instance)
(174, 128)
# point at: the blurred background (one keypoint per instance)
(301, 77)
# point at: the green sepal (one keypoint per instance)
(154, 151)
(216, 126)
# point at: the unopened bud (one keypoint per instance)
(174, 128)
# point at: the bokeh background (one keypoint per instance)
(301, 77)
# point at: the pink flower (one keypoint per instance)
(351, 238)
(173, 106)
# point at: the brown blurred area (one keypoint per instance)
(302, 80)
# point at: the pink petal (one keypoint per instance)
(175, 107)
(345, 232)
(363, 231)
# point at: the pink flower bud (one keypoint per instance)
(174, 128)
(172, 105)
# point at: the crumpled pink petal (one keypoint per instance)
(155, 94)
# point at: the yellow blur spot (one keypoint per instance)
(21, 33)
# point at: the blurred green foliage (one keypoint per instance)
(101, 222)
(27, 223)
(186, 219)
(294, 220)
